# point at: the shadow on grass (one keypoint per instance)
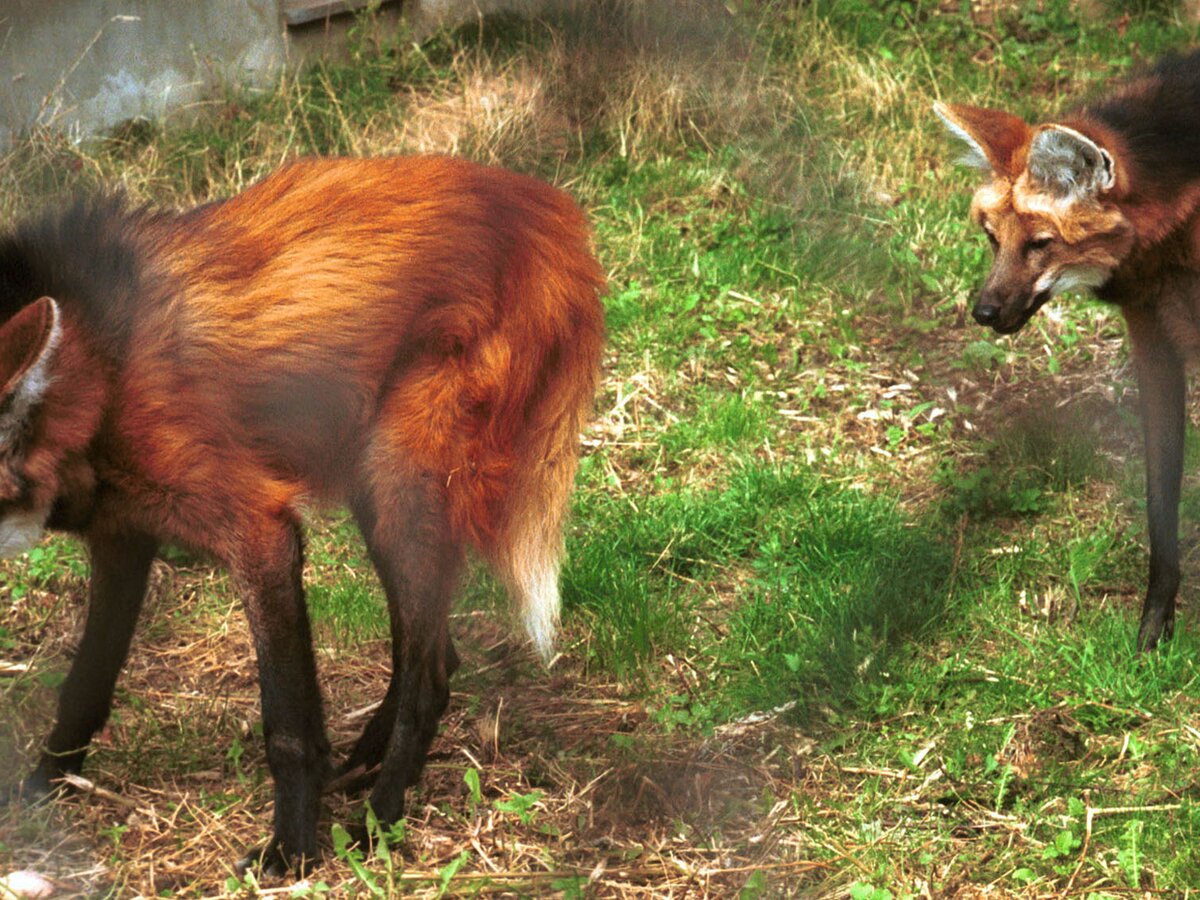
(1034, 452)
(787, 587)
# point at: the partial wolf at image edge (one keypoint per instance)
(419, 338)
(1107, 198)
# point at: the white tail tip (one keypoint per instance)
(540, 607)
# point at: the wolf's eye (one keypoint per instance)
(1040, 243)
(992, 238)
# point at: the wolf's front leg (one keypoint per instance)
(1163, 389)
(120, 569)
(269, 571)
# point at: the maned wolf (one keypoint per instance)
(1107, 198)
(419, 338)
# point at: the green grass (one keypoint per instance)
(813, 486)
(839, 582)
(345, 599)
(822, 583)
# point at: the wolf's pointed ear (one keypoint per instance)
(992, 137)
(1069, 165)
(27, 343)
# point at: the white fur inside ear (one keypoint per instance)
(1110, 171)
(1069, 165)
(31, 388)
(21, 530)
(975, 157)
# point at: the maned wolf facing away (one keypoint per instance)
(419, 338)
(1107, 198)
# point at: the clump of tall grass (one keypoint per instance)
(628, 78)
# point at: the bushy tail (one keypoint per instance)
(528, 548)
(531, 549)
(528, 553)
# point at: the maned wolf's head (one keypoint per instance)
(1049, 211)
(27, 343)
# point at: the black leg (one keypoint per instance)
(120, 568)
(409, 543)
(293, 722)
(359, 768)
(1162, 386)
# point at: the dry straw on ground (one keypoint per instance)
(166, 805)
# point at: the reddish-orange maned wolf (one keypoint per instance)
(1107, 198)
(418, 338)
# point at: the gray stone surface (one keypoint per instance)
(82, 66)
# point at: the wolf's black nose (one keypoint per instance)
(986, 313)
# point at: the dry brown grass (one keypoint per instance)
(165, 806)
(646, 77)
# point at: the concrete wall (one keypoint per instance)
(82, 66)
